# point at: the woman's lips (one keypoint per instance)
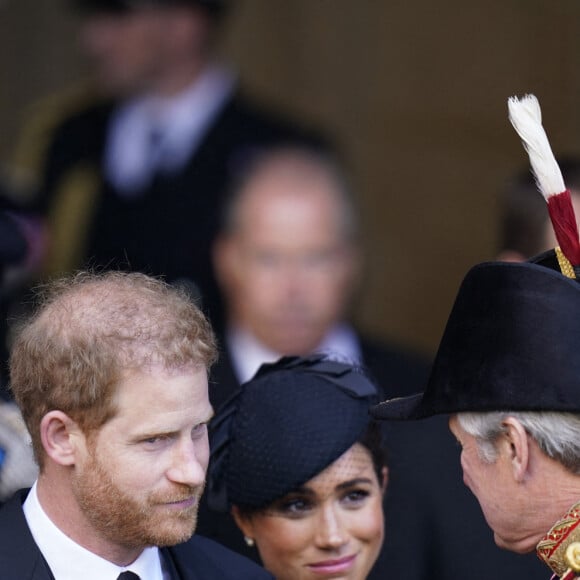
(333, 566)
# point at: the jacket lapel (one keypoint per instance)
(20, 558)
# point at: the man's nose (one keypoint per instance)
(187, 464)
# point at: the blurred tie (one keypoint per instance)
(128, 576)
(155, 148)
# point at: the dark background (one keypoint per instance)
(415, 92)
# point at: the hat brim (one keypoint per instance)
(400, 408)
(510, 344)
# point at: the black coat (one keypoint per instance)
(434, 528)
(197, 559)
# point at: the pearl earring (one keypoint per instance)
(249, 541)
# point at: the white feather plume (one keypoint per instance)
(526, 117)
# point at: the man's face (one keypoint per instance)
(503, 502)
(138, 50)
(287, 269)
(141, 477)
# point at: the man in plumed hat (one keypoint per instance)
(136, 168)
(507, 371)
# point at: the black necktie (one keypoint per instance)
(128, 576)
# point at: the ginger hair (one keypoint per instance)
(87, 330)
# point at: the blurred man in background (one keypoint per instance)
(134, 177)
(288, 259)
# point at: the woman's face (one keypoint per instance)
(332, 527)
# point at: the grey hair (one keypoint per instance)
(557, 434)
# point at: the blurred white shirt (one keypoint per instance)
(247, 353)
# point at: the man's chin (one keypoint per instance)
(522, 546)
(172, 535)
(299, 342)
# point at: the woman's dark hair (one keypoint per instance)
(373, 440)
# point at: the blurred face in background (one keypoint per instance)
(287, 265)
(331, 527)
(145, 49)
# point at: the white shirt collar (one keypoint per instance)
(68, 560)
(248, 353)
(180, 123)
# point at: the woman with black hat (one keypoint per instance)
(297, 459)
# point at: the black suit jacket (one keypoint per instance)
(197, 559)
(434, 528)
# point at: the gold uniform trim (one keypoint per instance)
(564, 264)
(560, 548)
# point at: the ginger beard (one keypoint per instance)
(132, 521)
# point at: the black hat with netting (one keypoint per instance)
(285, 426)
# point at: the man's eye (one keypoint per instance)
(267, 260)
(199, 430)
(157, 440)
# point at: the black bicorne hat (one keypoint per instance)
(213, 6)
(283, 427)
(512, 342)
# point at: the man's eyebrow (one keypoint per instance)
(154, 434)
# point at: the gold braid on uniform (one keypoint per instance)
(560, 548)
(565, 266)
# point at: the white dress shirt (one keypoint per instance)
(248, 353)
(151, 133)
(68, 560)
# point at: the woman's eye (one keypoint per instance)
(294, 507)
(356, 497)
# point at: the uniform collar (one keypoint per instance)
(562, 536)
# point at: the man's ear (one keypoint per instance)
(516, 438)
(60, 437)
(245, 523)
